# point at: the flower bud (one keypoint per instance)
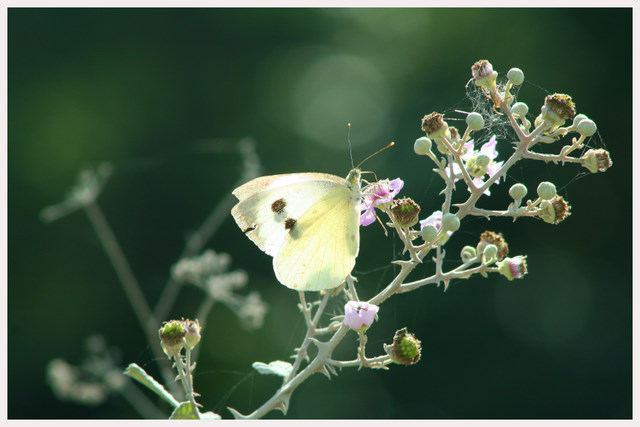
(434, 126)
(555, 210)
(518, 191)
(546, 190)
(192, 338)
(482, 161)
(520, 108)
(515, 76)
(405, 211)
(596, 160)
(405, 349)
(428, 233)
(467, 253)
(172, 335)
(578, 118)
(586, 127)
(359, 315)
(450, 222)
(475, 121)
(490, 253)
(483, 74)
(496, 239)
(513, 268)
(422, 146)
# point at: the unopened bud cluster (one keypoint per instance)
(176, 334)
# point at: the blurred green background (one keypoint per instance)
(152, 90)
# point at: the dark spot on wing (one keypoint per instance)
(253, 227)
(289, 223)
(278, 206)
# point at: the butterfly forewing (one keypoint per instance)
(267, 203)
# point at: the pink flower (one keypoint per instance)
(479, 163)
(359, 314)
(376, 194)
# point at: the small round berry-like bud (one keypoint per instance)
(515, 76)
(520, 108)
(434, 125)
(405, 349)
(450, 222)
(578, 118)
(475, 121)
(467, 253)
(428, 233)
(422, 146)
(405, 211)
(546, 190)
(518, 191)
(596, 160)
(193, 328)
(513, 268)
(482, 161)
(496, 239)
(490, 253)
(172, 335)
(586, 127)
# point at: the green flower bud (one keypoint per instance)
(546, 190)
(482, 161)
(586, 127)
(490, 253)
(578, 118)
(496, 239)
(520, 108)
(450, 222)
(192, 338)
(515, 76)
(405, 349)
(518, 191)
(467, 253)
(428, 233)
(475, 121)
(422, 146)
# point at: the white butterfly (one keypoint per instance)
(308, 222)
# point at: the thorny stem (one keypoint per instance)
(302, 351)
(397, 285)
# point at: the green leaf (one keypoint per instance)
(278, 367)
(137, 373)
(185, 411)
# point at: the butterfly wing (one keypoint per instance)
(320, 248)
(266, 203)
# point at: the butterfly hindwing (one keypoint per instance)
(321, 247)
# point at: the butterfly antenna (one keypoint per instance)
(349, 142)
(391, 144)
